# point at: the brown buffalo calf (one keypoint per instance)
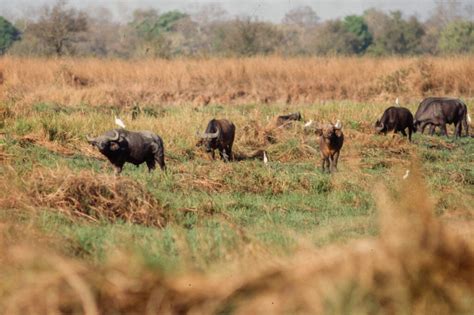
(331, 139)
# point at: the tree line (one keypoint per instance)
(60, 30)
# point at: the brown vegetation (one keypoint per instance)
(232, 81)
(417, 265)
(85, 195)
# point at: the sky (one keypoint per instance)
(270, 10)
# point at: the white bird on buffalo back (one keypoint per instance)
(119, 122)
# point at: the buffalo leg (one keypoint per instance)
(335, 159)
(444, 131)
(423, 126)
(331, 163)
(151, 165)
(229, 150)
(224, 155)
(323, 163)
(458, 129)
(465, 125)
(403, 132)
(118, 169)
(410, 131)
(158, 156)
(432, 129)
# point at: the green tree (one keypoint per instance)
(8, 35)
(457, 37)
(398, 36)
(149, 25)
(333, 38)
(357, 26)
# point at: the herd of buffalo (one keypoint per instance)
(121, 146)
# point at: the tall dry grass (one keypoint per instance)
(416, 265)
(256, 80)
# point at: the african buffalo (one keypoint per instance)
(121, 146)
(397, 119)
(331, 139)
(439, 111)
(284, 119)
(219, 135)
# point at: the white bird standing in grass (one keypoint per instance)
(119, 122)
(406, 174)
(265, 158)
(309, 123)
(397, 102)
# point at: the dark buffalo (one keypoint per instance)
(439, 111)
(121, 146)
(331, 140)
(397, 119)
(285, 119)
(219, 135)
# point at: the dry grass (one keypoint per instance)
(232, 81)
(416, 266)
(85, 195)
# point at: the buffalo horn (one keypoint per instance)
(115, 137)
(211, 135)
(90, 140)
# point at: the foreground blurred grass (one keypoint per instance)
(218, 216)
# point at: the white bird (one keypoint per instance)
(309, 123)
(397, 102)
(469, 118)
(265, 158)
(119, 122)
(406, 174)
(338, 124)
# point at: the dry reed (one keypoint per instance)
(232, 81)
(95, 197)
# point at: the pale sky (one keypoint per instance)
(272, 10)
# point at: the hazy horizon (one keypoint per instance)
(263, 9)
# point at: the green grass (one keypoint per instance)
(272, 207)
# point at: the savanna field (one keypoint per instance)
(208, 237)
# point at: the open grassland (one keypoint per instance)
(227, 238)
(232, 81)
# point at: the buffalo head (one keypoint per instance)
(207, 140)
(379, 126)
(107, 142)
(328, 131)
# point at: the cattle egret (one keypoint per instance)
(338, 124)
(469, 118)
(119, 122)
(309, 123)
(265, 159)
(406, 174)
(397, 102)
